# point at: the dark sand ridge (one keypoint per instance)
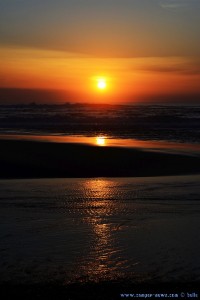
(31, 159)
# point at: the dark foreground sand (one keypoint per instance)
(31, 159)
(101, 291)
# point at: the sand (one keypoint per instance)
(31, 159)
(99, 237)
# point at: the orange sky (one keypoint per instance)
(144, 49)
(127, 78)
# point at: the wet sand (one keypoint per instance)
(34, 159)
(98, 238)
(170, 236)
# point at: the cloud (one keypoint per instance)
(176, 4)
(173, 65)
(165, 69)
(189, 69)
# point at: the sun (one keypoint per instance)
(101, 141)
(101, 83)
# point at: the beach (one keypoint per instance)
(99, 237)
(81, 219)
(38, 159)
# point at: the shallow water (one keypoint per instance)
(69, 230)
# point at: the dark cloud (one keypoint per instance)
(182, 66)
(191, 70)
(26, 96)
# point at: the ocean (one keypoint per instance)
(175, 123)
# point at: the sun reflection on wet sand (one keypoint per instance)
(103, 258)
(104, 140)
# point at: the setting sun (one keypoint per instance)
(101, 141)
(101, 83)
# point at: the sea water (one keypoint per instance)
(174, 123)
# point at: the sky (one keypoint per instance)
(145, 50)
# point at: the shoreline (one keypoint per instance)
(37, 159)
